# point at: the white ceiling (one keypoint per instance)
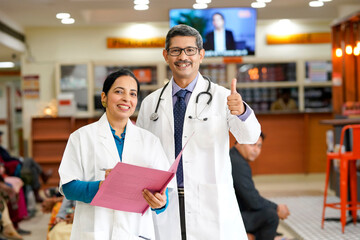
(30, 13)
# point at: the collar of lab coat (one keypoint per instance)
(167, 100)
(107, 139)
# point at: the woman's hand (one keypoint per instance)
(157, 200)
(107, 172)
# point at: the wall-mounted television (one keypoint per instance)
(236, 38)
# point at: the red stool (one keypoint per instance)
(347, 169)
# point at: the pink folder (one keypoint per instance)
(122, 188)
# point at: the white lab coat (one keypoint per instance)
(211, 209)
(92, 148)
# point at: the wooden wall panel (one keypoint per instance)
(283, 148)
(315, 142)
(349, 65)
(357, 74)
(294, 143)
(337, 90)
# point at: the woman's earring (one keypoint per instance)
(104, 104)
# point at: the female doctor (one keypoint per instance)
(101, 145)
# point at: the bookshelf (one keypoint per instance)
(49, 137)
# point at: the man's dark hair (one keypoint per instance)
(185, 31)
(220, 14)
(262, 135)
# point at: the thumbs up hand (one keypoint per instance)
(234, 101)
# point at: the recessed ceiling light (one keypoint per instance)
(325, 0)
(7, 64)
(141, 2)
(258, 5)
(203, 1)
(264, 1)
(285, 21)
(141, 7)
(316, 4)
(62, 15)
(67, 21)
(200, 5)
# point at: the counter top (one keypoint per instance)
(337, 122)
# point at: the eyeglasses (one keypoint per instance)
(189, 51)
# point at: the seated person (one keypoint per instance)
(12, 191)
(8, 229)
(25, 168)
(260, 216)
(284, 102)
(62, 224)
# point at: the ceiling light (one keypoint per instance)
(141, 7)
(285, 21)
(7, 64)
(200, 5)
(203, 1)
(264, 1)
(325, 0)
(62, 15)
(67, 21)
(258, 5)
(141, 2)
(316, 4)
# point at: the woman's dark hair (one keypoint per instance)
(110, 79)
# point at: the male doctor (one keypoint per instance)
(204, 206)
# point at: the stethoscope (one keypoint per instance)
(155, 116)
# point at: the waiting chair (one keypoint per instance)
(347, 171)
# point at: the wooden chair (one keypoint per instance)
(348, 175)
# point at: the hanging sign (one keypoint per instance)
(301, 38)
(136, 43)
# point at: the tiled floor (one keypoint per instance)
(290, 185)
(305, 219)
(278, 187)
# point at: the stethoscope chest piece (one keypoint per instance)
(154, 116)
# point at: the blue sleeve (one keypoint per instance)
(160, 210)
(80, 190)
(246, 113)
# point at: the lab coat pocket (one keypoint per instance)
(209, 201)
(208, 132)
(217, 201)
(93, 235)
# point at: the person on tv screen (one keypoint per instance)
(220, 39)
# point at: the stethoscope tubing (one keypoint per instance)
(155, 116)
